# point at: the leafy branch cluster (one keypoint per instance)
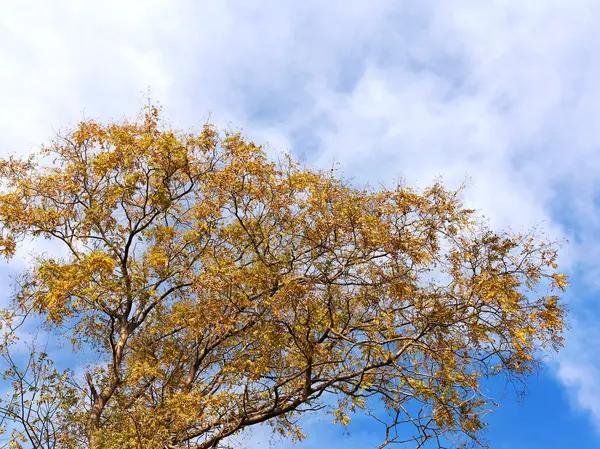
(221, 290)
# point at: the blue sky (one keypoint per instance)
(503, 93)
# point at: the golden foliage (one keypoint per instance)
(223, 290)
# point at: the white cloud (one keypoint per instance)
(502, 91)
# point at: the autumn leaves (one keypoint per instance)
(221, 289)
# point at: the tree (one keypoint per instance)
(214, 289)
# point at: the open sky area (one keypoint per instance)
(503, 95)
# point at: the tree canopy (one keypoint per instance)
(212, 288)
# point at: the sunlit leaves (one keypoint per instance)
(222, 289)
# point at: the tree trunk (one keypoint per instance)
(93, 432)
